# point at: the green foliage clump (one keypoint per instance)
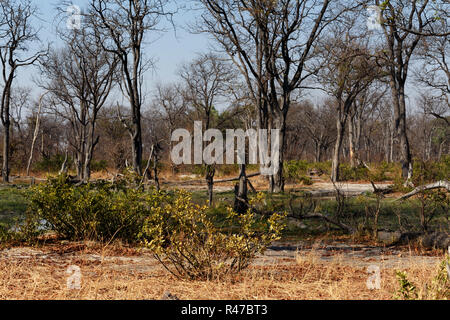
(431, 171)
(5, 234)
(296, 171)
(324, 167)
(407, 290)
(348, 173)
(307, 181)
(101, 165)
(103, 211)
(54, 163)
(228, 169)
(382, 171)
(199, 170)
(438, 289)
(294, 168)
(431, 204)
(51, 164)
(191, 244)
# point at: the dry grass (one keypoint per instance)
(305, 278)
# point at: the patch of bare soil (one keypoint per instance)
(354, 255)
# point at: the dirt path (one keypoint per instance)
(354, 255)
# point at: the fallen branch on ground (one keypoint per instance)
(316, 215)
(238, 178)
(215, 181)
(437, 185)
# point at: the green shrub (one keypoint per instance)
(438, 289)
(97, 212)
(307, 181)
(101, 165)
(430, 171)
(190, 244)
(348, 173)
(295, 171)
(52, 164)
(380, 172)
(323, 167)
(228, 169)
(407, 290)
(5, 234)
(199, 170)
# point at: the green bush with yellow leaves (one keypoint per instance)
(191, 244)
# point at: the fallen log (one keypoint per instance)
(237, 178)
(320, 216)
(437, 185)
(215, 181)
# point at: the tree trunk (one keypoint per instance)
(36, 132)
(318, 147)
(441, 149)
(210, 172)
(6, 120)
(391, 146)
(351, 143)
(136, 149)
(79, 166)
(155, 172)
(89, 151)
(340, 126)
(6, 150)
(400, 128)
(241, 192)
(276, 181)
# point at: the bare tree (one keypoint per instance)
(271, 43)
(80, 78)
(207, 81)
(121, 27)
(317, 123)
(16, 36)
(404, 23)
(363, 109)
(431, 132)
(349, 71)
(169, 102)
(36, 131)
(21, 104)
(434, 72)
(115, 146)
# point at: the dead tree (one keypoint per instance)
(121, 27)
(307, 211)
(16, 36)
(207, 80)
(270, 42)
(171, 107)
(349, 72)
(36, 132)
(436, 185)
(80, 78)
(241, 192)
(405, 23)
(434, 72)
